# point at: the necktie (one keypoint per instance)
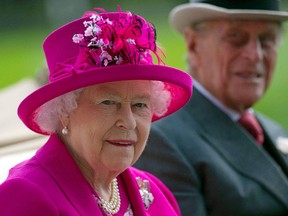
(249, 122)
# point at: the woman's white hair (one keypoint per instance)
(49, 114)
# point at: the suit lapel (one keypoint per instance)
(271, 134)
(220, 132)
(57, 161)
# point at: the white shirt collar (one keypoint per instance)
(231, 113)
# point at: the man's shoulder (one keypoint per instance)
(272, 127)
(181, 117)
(264, 119)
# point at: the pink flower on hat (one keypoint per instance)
(126, 40)
(77, 38)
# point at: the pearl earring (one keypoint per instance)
(65, 130)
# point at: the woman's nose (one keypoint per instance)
(126, 119)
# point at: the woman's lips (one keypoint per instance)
(121, 143)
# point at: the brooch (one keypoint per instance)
(144, 189)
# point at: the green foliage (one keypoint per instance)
(21, 54)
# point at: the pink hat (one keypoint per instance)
(102, 48)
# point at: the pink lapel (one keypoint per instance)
(132, 189)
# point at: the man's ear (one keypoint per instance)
(189, 36)
(191, 39)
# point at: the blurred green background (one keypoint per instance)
(24, 24)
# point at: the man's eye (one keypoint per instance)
(236, 38)
(268, 40)
(234, 35)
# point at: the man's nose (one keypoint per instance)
(253, 50)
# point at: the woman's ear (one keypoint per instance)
(63, 127)
(64, 120)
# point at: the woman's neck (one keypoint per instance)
(99, 177)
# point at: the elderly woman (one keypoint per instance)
(103, 93)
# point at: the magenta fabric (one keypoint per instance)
(51, 184)
(66, 74)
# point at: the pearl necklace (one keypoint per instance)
(113, 206)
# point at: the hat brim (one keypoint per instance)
(185, 15)
(176, 81)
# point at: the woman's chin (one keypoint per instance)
(118, 165)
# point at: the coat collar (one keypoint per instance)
(220, 132)
(132, 189)
(57, 161)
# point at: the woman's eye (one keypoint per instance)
(140, 105)
(107, 102)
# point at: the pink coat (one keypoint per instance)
(51, 184)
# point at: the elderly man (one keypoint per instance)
(218, 155)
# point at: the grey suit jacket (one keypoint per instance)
(214, 167)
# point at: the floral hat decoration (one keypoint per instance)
(103, 47)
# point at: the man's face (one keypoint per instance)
(234, 60)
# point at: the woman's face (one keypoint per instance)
(109, 128)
